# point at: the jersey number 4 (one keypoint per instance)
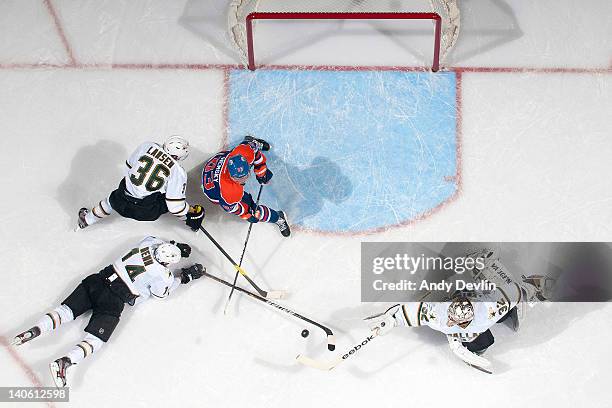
(155, 178)
(133, 270)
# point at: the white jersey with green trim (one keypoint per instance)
(489, 306)
(151, 170)
(141, 272)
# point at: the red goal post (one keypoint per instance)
(242, 16)
(343, 16)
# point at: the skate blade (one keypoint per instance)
(54, 368)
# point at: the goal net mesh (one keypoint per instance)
(240, 9)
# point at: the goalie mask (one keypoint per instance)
(460, 312)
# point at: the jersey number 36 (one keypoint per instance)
(155, 178)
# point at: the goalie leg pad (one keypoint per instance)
(481, 343)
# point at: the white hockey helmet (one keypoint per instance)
(460, 311)
(177, 147)
(167, 254)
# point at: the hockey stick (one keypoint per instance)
(330, 335)
(329, 365)
(246, 241)
(273, 294)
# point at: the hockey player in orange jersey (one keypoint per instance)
(225, 174)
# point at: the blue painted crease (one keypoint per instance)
(352, 150)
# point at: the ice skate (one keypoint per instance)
(59, 370)
(82, 224)
(260, 143)
(26, 336)
(283, 225)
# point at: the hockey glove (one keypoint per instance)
(195, 271)
(195, 216)
(185, 249)
(383, 323)
(466, 355)
(265, 178)
(255, 216)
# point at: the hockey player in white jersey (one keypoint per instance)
(466, 318)
(142, 272)
(154, 184)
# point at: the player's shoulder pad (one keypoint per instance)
(179, 170)
(245, 150)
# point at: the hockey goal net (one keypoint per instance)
(244, 14)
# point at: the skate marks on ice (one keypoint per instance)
(303, 192)
(382, 145)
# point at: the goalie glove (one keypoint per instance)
(383, 323)
(195, 271)
(466, 355)
(538, 287)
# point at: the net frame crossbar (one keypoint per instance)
(343, 16)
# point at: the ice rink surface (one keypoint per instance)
(523, 155)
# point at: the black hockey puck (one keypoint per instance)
(305, 333)
(331, 347)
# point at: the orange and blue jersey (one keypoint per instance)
(220, 189)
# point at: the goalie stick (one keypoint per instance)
(329, 365)
(272, 294)
(330, 335)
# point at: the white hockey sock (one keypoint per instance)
(52, 320)
(102, 210)
(85, 348)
